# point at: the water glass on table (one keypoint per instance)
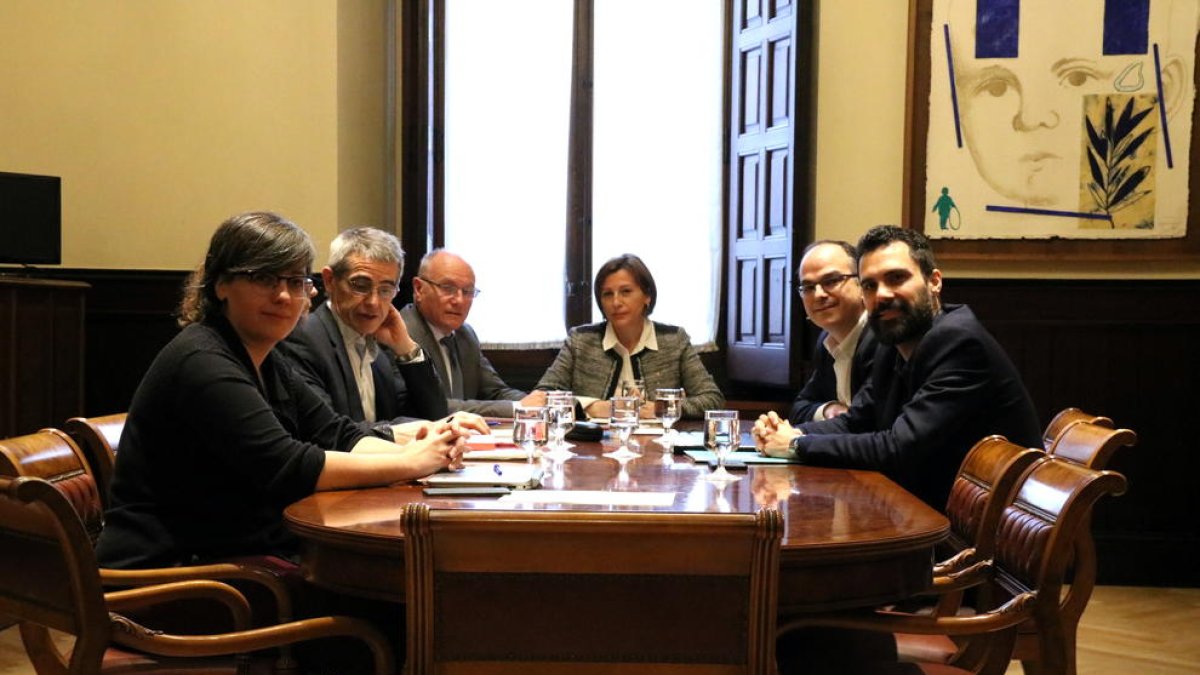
(635, 388)
(668, 405)
(530, 427)
(623, 419)
(722, 435)
(560, 406)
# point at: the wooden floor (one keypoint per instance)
(1150, 631)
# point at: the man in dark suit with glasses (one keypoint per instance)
(828, 288)
(354, 349)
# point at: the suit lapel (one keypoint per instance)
(338, 346)
(420, 331)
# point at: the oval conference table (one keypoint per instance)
(851, 538)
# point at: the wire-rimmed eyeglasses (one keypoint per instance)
(364, 286)
(297, 284)
(448, 290)
(828, 284)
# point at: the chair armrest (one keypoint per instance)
(218, 571)
(1007, 615)
(955, 562)
(960, 580)
(147, 596)
(130, 634)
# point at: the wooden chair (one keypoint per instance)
(98, 438)
(51, 455)
(1064, 419)
(538, 592)
(1034, 545)
(49, 581)
(1091, 445)
(978, 496)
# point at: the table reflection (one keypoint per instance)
(839, 524)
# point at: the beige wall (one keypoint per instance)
(164, 117)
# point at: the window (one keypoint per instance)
(655, 162)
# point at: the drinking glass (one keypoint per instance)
(668, 404)
(623, 419)
(635, 388)
(560, 406)
(722, 433)
(529, 427)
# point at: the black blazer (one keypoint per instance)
(821, 387)
(402, 392)
(915, 420)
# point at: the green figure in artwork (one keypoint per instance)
(943, 206)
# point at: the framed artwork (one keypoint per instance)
(1053, 129)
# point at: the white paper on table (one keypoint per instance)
(487, 441)
(496, 454)
(648, 431)
(592, 497)
(646, 427)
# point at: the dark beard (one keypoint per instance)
(915, 320)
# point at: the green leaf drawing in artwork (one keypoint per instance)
(1112, 153)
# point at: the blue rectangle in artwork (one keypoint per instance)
(1126, 24)
(997, 26)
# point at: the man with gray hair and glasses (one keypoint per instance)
(443, 292)
(354, 349)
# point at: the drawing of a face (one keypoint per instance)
(1022, 117)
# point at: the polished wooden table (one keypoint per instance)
(852, 538)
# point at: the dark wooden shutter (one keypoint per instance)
(767, 185)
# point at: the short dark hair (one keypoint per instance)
(844, 245)
(259, 240)
(635, 266)
(918, 245)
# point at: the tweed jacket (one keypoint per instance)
(584, 367)
(484, 392)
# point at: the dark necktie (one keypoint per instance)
(456, 383)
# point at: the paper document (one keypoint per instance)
(495, 454)
(695, 439)
(706, 456)
(516, 476)
(592, 497)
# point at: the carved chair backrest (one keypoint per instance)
(98, 437)
(51, 455)
(612, 590)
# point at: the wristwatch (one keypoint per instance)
(796, 447)
(409, 357)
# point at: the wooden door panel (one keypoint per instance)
(761, 231)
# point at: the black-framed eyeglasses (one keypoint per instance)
(828, 284)
(448, 290)
(265, 281)
(364, 286)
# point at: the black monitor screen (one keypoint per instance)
(30, 219)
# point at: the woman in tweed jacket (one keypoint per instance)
(627, 345)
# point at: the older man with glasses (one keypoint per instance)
(354, 349)
(846, 347)
(443, 292)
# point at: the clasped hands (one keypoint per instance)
(773, 435)
(446, 437)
